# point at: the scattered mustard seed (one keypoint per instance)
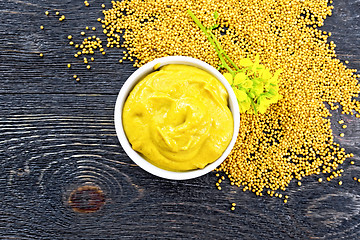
(41, 54)
(82, 33)
(75, 76)
(92, 59)
(308, 143)
(320, 180)
(71, 43)
(57, 13)
(232, 208)
(352, 162)
(103, 5)
(344, 126)
(341, 121)
(347, 62)
(41, 27)
(69, 37)
(342, 134)
(285, 201)
(299, 183)
(93, 28)
(78, 79)
(47, 13)
(88, 66)
(69, 65)
(340, 183)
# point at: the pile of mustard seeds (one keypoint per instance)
(294, 138)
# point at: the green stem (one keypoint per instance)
(212, 39)
(223, 52)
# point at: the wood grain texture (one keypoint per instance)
(57, 134)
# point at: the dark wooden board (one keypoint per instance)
(57, 134)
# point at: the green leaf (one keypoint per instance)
(229, 78)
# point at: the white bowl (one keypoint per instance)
(130, 84)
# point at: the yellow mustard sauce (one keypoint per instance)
(178, 118)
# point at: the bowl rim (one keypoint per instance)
(130, 83)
